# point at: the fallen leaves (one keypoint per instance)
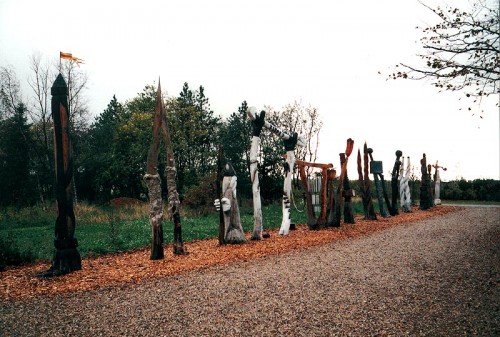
(135, 267)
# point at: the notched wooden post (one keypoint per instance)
(153, 183)
(66, 256)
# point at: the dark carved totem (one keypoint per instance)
(66, 256)
(393, 209)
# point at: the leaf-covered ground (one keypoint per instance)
(135, 267)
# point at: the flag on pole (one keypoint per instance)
(69, 56)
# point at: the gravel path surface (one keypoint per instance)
(435, 277)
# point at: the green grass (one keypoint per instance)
(27, 235)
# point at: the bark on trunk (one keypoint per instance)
(394, 184)
(287, 187)
(66, 256)
(254, 176)
(364, 182)
(173, 196)
(404, 188)
(376, 170)
(153, 183)
(234, 233)
(425, 195)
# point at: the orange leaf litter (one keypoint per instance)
(135, 266)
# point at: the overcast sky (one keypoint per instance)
(332, 55)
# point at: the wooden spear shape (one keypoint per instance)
(173, 196)
(66, 256)
(153, 182)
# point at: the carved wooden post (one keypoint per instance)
(404, 188)
(331, 173)
(364, 182)
(376, 169)
(347, 192)
(393, 210)
(233, 233)
(66, 256)
(287, 184)
(173, 196)
(257, 124)
(153, 182)
(425, 185)
(437, 183)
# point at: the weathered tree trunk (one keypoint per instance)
(287, 187)
(344, 190)
(311, 220)
(173, 196)
(153, 182)
(254, 177)
(66, 256)
(233, 233)
(258, 122)
(425, 186)
(404, 188)
(366, 180)
(364, 183)
(376, 170)
(330, 212)
(393, 210)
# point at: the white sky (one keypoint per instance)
(324, 53)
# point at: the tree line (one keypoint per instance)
(110, 151)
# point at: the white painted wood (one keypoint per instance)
(287, 188)
(254, 177)
(404, 188)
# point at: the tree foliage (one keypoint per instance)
(461, 51)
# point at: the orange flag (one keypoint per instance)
(69, 56)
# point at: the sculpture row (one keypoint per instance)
(328, 205)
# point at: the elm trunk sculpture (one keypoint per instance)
(233, 230)
(425, 187)
(290, 145)
(173, 196)
(393, 209)
(376, 169)
(364, 183)
(437, 183)
(258, 122)
(153, 183)
(66, 256)
(404, 188)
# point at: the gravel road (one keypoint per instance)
(434, 277)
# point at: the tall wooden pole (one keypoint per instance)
(173, 196)
(66, 256)
(153, 182)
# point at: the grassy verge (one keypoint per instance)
(27, 235)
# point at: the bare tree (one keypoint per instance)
(10, 91)
(461, 51)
